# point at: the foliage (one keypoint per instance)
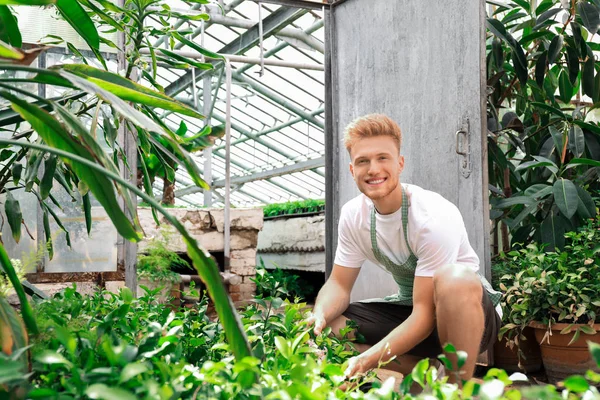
(543, 141)
(110, 346)
(156, 261)
(294, 207)
(280, 283)
(556, 287)
(67, 139)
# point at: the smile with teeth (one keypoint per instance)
(376, 181)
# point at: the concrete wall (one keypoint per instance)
(296, 243)
(421, 63)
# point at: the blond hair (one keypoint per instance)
(370, 126)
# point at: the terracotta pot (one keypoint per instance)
(560, 359)
(508, 359)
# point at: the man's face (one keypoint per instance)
(376, 166)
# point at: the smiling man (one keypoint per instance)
(420, 238)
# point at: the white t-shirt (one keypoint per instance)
(436, 233)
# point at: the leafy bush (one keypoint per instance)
(280, 283)
(109, 346)
(294, 207)
(553, 287)
(156, 261)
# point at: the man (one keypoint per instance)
(420, 238)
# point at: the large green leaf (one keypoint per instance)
(14, 215)
(550, 109)
(590, 16)
(572, 64)
(76, 16)
(586, 208)
(26, 310)
(9, 28)
(48, 177)
(128, 90)
(204, 264)
(556, 46)
(587, 76)
(514, 200)
(565, 196)
(583, 161)
(576, 141)
(540, 69)
(565, 88)
(56, 136)
(186, 60)
(553, 232)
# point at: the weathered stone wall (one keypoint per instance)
(296, 243)
(206, 226)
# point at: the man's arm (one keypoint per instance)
(334, 296)
(411, 332)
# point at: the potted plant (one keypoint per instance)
(558, 295)
(154, 269)
(516, 348)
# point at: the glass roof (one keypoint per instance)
(267, 131)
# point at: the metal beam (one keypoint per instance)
(273, 129)
(264, 175)
(271, 25)
(279, 99)
(313, 5)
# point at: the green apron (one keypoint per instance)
(404, 274)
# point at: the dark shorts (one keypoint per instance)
(376, 320)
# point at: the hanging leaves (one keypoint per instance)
(13, 215)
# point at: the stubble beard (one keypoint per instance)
(376, 196)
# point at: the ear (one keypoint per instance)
(401, 163)
(351, 169)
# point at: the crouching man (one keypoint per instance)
(420, 238)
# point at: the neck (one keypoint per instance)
(390, 203)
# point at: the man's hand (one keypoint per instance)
(317, 321)
(357, 366)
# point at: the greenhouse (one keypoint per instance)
(299, 199)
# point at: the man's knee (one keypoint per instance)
(455, 282)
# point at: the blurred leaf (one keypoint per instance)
(48, 177)
(585, 207)
(103, 392)
(573, 64)
(17, 170)
(14, 215)
(556, 46)
(128, 90)
(587, 77)
(557, 137)
(87, 211)
(9, 28)
(565, 88)
(497, 52)
(545, 16)
(6, 51)
(552, 232)
(13, 335)
(76, 16)
(590, 16)
(595, 351)
(576, 140)
(540, 69)
(565, 196)
(576, 384)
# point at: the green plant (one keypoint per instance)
(294, 207)
(156, 260)
(70, 149)
(279, 283)
(555, 287)
(543, 141)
